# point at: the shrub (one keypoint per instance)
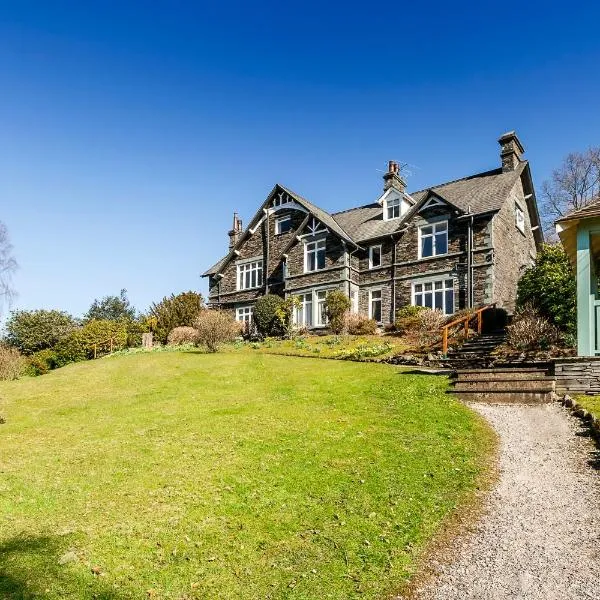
(530, 330)
(215, 327)
(111, 308)
(337, 305)
(356, 324)
(550, 286)
(34, 330)
(266, 311)
(285, 314)
(421, 323)
(182, 335)
(71, 348)
(11, 363)
(407, 318)
(174, 311)
(39, 363)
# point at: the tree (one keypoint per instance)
(111, 308)
(33, 330)
(8, 265)
(549, 285)
(174, 311)
(573, 185)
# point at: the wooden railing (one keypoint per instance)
(102, 344)
(466, 320)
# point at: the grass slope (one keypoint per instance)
(183, 475)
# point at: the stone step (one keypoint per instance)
(505, 385)
(500, 374)
(505, 396)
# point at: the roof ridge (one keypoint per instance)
(497, 171)
(346, 210)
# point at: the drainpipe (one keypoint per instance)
(470, 260)
(393, 274)
(266, 269)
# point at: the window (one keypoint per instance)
(438, 294)
(314, 256)
(374, 257)
(375, 305)
(312, 309)
(392, 208)
(321, 298)
(250, 275)
(519, 218)
(244, 314)
(303, 316)
(283, 225)
(433, 239)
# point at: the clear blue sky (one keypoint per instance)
(130, 132)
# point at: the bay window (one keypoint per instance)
(303, 316)
(437, 294)
(244, 314)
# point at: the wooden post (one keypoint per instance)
(479, 321)
(467, 328)
(147, 341)
(445, 341)
(95, 348)
(111, 345)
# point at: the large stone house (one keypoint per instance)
(455, 245)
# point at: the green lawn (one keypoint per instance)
(237, 475)
(591, 403)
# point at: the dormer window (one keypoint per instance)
(392, 208)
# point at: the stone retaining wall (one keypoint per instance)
(577, 375)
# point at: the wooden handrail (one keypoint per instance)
(96, 344)
(466, 320)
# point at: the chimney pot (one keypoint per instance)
(393, 178)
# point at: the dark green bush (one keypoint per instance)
(549, 285)
(111, 308)
(174, 311)
(266, 315)
(337, 305)
(34, 330)
(41, 362)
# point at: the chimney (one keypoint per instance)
(511, 151)
(236, 231)
(393, 179)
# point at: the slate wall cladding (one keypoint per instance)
(513, 250)
(578, 375)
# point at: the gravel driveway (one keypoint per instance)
(540, 535)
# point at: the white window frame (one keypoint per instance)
(434, 226)
(371, 248)
(519, 218)
(250, 265)
(380, 292)
(316, 299)
(394, 203)
(279, 221)
(319, 245)
(244, 314)
(444, 288)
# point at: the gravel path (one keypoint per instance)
(540, 535)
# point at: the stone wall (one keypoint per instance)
(514, 250)
(577, 375)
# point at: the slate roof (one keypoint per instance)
(481, 193)
(591, 209)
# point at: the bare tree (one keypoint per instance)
(573, 185)
(8, 265)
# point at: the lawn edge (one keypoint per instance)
(461, 522)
